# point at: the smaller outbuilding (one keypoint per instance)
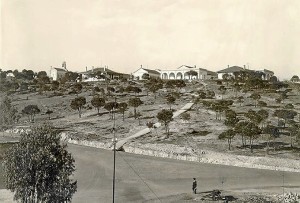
(144, 73)
(230, 71)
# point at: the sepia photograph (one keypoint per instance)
(149, 101)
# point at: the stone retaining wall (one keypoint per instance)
(223, 159)
(209, 157)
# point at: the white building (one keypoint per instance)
(57, 73)
(265, 74)
(185, 72)
(230, 71)
(138, 74)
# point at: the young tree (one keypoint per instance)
(254, 117)
(226, 77)
(77, 104)
(240, 100)
(31, 111)
(285, 114)
(55, 85)
(272, 131)
(8, 113)
(255, 96)
(293, 130)
(289, 106)
(170, 100)
(123, 108)
(248, 129)
(39, 168)
(77, 88)
(165, 116)
(110, 90)
(222, 89)
(231, 118)
(264, 114)
(262, 104)
(49, 112)
(98, 102)
(237, 87)
(136, 90)
(111, 107)
(154, 88)
(135, 102)
(185, 116)
(210, 94)
(229, 135)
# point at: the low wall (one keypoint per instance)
(90, 143)
(209, 157)
(223, 159)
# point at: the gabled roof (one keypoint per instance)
(211, 72)
(151, 71)
(102, 69)
(60, 69)
(185, 66)
(231, 69)
(266, 70)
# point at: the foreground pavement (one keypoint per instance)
(141, 178)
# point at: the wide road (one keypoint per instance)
(141, 178)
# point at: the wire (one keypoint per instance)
(139, 176)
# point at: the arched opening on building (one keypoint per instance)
(186, 76)
(164, 76)
(171, 76)
(179, 76)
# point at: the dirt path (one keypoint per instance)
(144, 131)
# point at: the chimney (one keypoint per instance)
(227, 66)
(86, 69)
(244, 66)
(195, 66)
(92, 68)
(141, 66)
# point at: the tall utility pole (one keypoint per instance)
(114, 142)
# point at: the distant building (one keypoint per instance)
(138, 74)
(211, 75)
(10, 76)
(185, 72)
(266, 74)
(230, 71)
(57, 73)
(102, 73)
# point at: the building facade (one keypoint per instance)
(185, 72)
(57, 73)
(138, 74)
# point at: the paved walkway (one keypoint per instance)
(144, 131)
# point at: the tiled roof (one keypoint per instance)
(231, 69)
(60, 69)
(101, 69)
(152, 71)
(186, 66)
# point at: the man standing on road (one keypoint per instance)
(194, 185)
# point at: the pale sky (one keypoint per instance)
(163, 34)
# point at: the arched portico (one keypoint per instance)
(184, 74)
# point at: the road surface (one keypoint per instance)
(141, 178)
